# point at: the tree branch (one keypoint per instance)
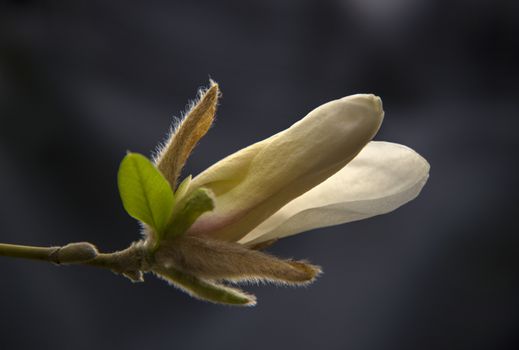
(130, 262)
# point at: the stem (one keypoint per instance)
(28, 252)
(130, 262)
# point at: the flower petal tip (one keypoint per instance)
(357, 116)
(369, 105)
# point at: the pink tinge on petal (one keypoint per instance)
(255, 182)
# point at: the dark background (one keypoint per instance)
(81, 82)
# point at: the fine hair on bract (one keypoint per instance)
(185, 133)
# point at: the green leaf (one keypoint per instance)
(198, 202)
(183, 187)
(206, 290)
(146, 194)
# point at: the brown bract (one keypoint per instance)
(182, 140)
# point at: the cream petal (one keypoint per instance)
(255, 182)
(380, 179)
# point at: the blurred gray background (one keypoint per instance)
(81, 82)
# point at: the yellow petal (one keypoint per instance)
(380, 179)
(255, 182)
